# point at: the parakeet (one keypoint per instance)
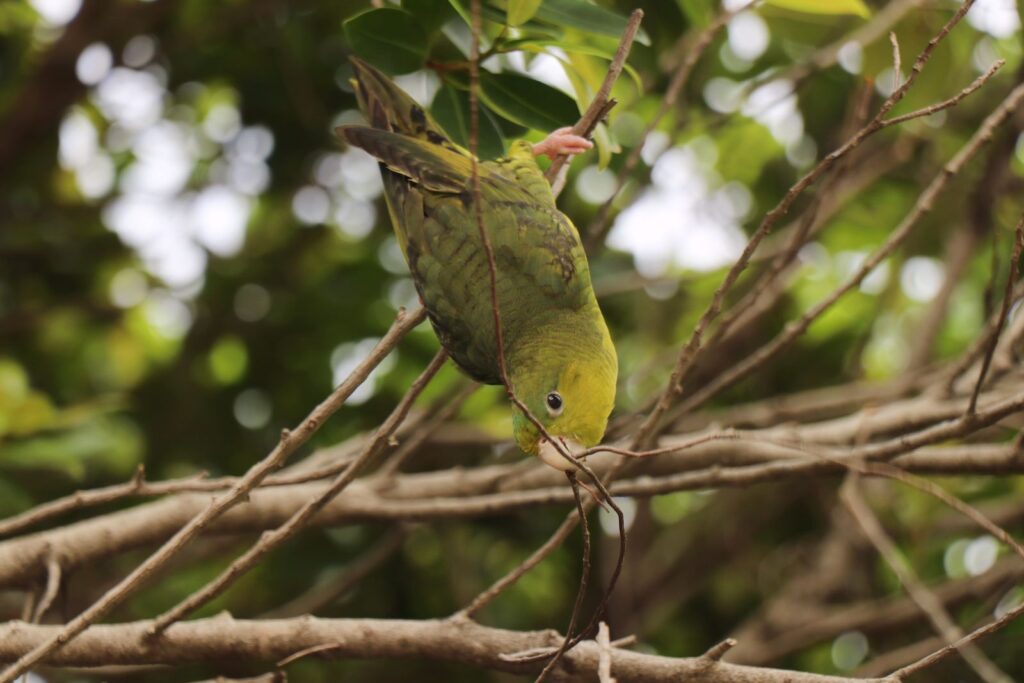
(559, 355)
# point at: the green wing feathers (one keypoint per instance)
(542, 269)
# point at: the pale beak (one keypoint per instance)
(551, 457)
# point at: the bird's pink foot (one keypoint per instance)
(562, 142)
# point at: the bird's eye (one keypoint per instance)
(554, 401)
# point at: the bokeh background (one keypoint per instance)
(189, 261)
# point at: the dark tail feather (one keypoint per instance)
(387, 107)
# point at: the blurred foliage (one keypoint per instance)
(190, 261)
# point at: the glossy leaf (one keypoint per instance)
(856, 7)
(487, 13)
(451, 111)
(391, 39)
(587, 17)
(431, 14)
(528, 102)
(521, 11)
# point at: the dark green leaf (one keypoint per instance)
(587, 17)
(391, 39)
(431, 14)
(487, 13)
(527, 102)
(451, 111)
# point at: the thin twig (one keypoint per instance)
(925, 486)
(581, 590)
(432, 421)
(994, 330)
(53, 579)
(948, 385)
(716, 652)
(950, 102)
(897, 66)
(599, 106)
(936, 657)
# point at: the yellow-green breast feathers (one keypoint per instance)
(556, 340)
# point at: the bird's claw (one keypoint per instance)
(562, 142)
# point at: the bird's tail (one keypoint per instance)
(387, 107)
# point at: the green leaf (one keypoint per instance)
(587, 17)
(391, 39)
(527, 102)
(521, 11)
(487, 14)
(856, 7)
(451, 111)
(431, 14)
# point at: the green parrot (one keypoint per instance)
(559, 355)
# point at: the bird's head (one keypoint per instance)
(572, 395)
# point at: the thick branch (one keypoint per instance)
(463, 641)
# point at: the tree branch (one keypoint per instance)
(462, 641)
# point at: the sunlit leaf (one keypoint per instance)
(521, 11)
(587, 17)
(389, 38)
(856, 7)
